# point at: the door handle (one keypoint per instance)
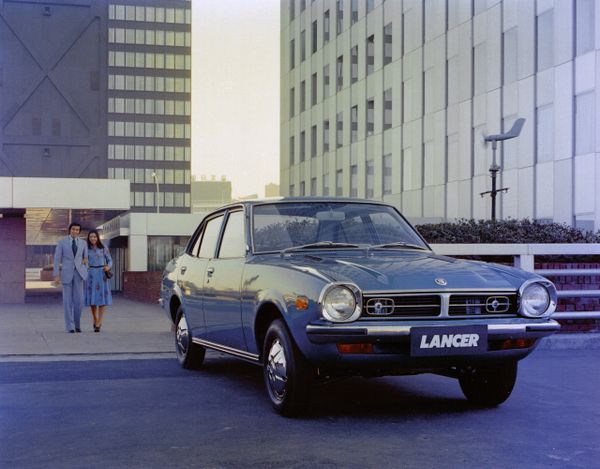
(210, 271)
(183, 269)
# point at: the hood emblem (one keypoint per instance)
(440, 281)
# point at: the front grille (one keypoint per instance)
(463, 304)
(402, 306)
(482, 304)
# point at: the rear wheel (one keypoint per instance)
(488, 386)
(287, 375)
(189, 354)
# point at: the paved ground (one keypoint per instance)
(35, 330)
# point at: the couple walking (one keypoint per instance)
(83, 276)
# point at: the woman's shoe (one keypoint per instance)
(96, 329)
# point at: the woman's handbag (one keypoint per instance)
(107, 273)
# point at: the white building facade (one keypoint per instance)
(391, 100)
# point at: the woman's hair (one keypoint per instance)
(98, 244)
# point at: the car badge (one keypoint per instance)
(378, 307)
(495, 304)
(441, 281)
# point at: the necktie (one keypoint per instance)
(74, 246)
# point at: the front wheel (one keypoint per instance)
(287, 375)
(189, 354)
(488, 386)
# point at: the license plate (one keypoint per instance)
(430, 341)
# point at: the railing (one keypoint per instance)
(524, 257)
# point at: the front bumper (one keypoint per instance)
(391, 351)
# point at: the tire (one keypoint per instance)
(287, 375)
(189, 354)
(488, 386)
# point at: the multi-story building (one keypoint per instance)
(99, 89)
(392, 100)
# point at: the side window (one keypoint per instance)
(233, 243)
(210, 237)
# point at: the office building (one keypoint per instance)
(392, 100)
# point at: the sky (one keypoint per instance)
(235, 92)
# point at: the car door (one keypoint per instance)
(222, 285)
(192, 269)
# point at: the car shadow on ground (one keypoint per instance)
(391, 396)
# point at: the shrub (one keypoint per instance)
(505, 231)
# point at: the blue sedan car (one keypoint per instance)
(313, 288)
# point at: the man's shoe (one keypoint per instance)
(77, 330)
(71, 331)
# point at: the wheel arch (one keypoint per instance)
(266, 314)
(174, 305)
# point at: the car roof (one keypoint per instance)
(268, 200)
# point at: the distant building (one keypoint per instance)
(272, 190)
(209, 194)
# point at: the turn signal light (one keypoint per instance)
(355, 348)
(516, 343)
(301, 303)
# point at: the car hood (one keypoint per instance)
(401, 270)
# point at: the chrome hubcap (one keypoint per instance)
(277, 369)
(182, 336)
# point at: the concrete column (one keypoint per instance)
(12, 256)
(138, 253)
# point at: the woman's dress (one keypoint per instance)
(97, 286)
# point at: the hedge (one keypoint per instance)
(505, 231)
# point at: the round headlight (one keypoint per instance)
(340, 304)
(535, 300)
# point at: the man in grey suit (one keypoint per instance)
(72, 253)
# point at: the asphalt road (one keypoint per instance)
(151, 413)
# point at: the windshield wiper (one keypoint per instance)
(320, 245)
(399, 244)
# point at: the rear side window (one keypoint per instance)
(210, 237)
(233, 243)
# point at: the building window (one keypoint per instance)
(340, 16)
(326, 28)
(339, 125)
(387, 109)
(353, 124)
(545, 40)
(302, 189)
(314, 36)
(340, 72)
(354, 64)
(370, 54)
(313, 90)
(313, 186)
(354, 8)
(545, 133)
(313, 141)
(387, 44)
(511, 51)
(292, 149)
(302, 146)
(303, 46)
(302, 5)
(292, 9)
(292, 54)
(292, 190)
(370, 117)
(370, 6)
(325, 136)
(354, 181)
(339, 183)
(479, 69)
(387, 174)
(370, 179)
(584, 123)
(325, 184)
(292, 102)
(585, 26)
(302, 96)
(325, 81)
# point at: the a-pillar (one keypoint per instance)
(12, 256)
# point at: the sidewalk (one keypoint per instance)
(35, 331)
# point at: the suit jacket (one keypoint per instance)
(63, 254)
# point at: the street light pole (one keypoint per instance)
(155, 177)
(495, 168)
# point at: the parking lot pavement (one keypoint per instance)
(35, 331)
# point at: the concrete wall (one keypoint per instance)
(12, 258)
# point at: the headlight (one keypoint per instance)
(341, 303)
(537, 299)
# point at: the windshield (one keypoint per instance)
(280, 226)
